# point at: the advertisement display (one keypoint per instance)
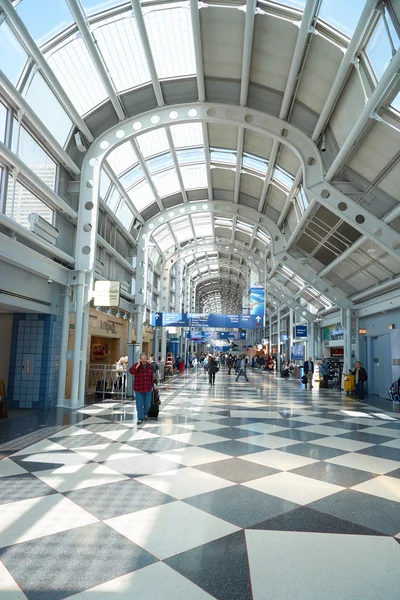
(198, 321)
(107, 293)
(298, 352)
(301, 331)
(257, 301)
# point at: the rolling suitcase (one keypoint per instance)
(154, 406)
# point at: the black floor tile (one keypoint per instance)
(297, 434)
(42, 461)
(336, 474)
(237, 470)
(241, 505)
(60, 565)
(309, 520)
(119, 498)
(313, 451)
(233, 447)
(234, 433)
(364, 509)
(395, 473)
(22, 487)
(79, 441)
(369, 438)
(382, 452)
(220, 567)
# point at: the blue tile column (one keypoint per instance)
(38, 336)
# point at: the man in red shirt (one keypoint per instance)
(143, 385)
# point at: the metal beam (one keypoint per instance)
(247, 48)
(117, 182)
(15, 253)
(137, 10)
(239, 161)
(207, 160)
(34, 183)
(19, 27)
(83, 26)
(198, 51)
(12, 95)
(176, 163)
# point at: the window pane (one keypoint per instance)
(300, 4)
(342, 14)
(24, 204)
(77, 74)
(42, 100)
(122, 50)
(33, 155)
(113, 199)
(379, 50)
(125, 215)
(153, 142)
(12, 55)
(122, 158)
(3, 116)
(396, 102)
(160, 163)
(54, 17)
(194, 177)
(170, 34)
(104, 184)
(141, 196)
(187, 134)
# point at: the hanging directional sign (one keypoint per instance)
(200, 321)
(301, 331)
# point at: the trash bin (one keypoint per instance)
(349, 383)
(181, 366)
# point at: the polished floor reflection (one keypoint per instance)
(241, 491)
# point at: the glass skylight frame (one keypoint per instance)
(122, 158)
(166, 183)
(142, 196)
(187, 135)
(194, 176)
(153, 143)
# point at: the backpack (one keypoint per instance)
(394, 391)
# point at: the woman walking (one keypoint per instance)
(212, 369)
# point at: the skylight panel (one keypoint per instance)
(220, 155)
(396, 103)
(105, 182)
(153, 142)
(190, 156)
(113, 199)
(13, 56)
(263, 237)
(132, 177)
(122, 158)
(160, 163)
(187, 134)
(302, 200)
(166, 243)
(119, 42)
(283, 177)
(221, 222)
(169, 29)
(194, 177)
(167, 183)
(141, 196)
(182, 235)
(254, 163)
(54, 17)
(77, 74)
(240, 226)
(300, 4)
(342, 14)
(94, 6)
(379, 48)
(125, 215)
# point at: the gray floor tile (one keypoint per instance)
(22, 487)
(335, 474)
(364, 509)
(233, 433)
(240, 505)
(382, 452)
(159, 444)
(237, 470)
(233, 447)
(79, 441)
(60, 565)
(314, 451)
(369, 438)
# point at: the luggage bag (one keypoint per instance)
(154, 406)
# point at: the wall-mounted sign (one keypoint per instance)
(108, 326)
(285, 337)
(301, 331)
(362, 331)
(107, 293)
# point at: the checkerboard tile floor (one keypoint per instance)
(234, 493)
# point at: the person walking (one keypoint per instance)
(229, 363)
(360, 377)
(324, 370)
(242, 369)
(195, 364)
(309, 371)
(212, 369)
(143, 386)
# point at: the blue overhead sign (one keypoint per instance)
(160, 319)
(301, 331)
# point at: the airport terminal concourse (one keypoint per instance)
(200, 299)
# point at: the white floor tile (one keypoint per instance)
(193, 456)
(311, 420)
(341, 444)
(9, 590)
(262, 427)
(157, 581)
(383, 486)
(276, 459)
(58, 458)
(363, 462)
(76, 477)
(8, 468)
(295, 488)
(268, 441)
(256, 414)
(392, 444)
(385, 431)
(127, 435)
(202, 426)
(324, 430)
(184, 483)
(171, 528)
(34, 518)
(347, 566)
(73, 431)
(197, 438)
(356, 413)
(110, 451)
(384, 417)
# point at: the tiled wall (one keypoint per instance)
(37, 339)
